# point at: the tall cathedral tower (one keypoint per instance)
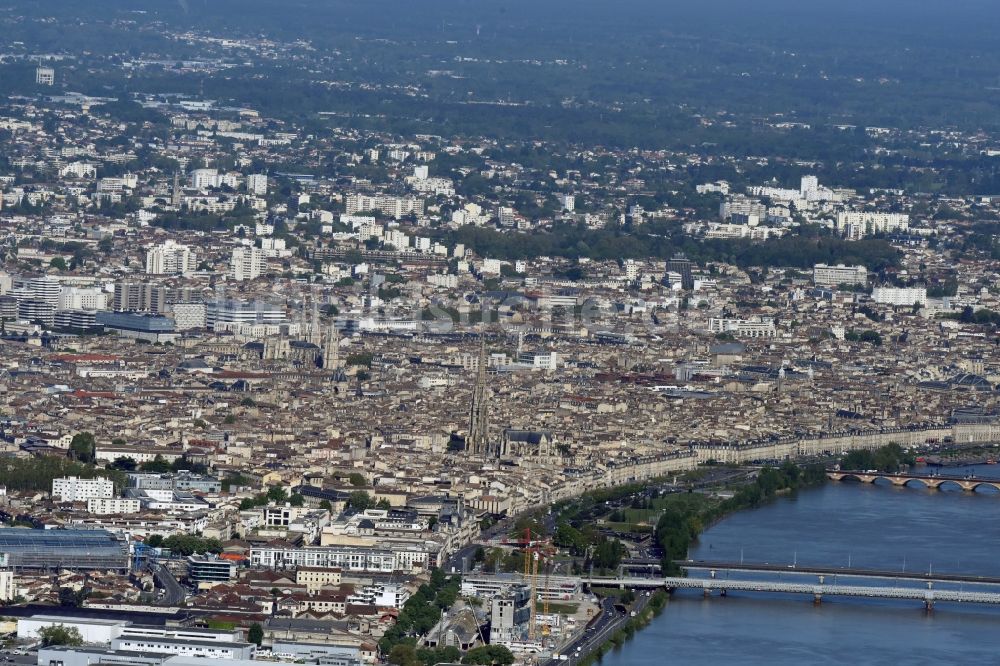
(176, 195)
(478, 440)
(331, 349)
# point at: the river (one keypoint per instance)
(840, 524)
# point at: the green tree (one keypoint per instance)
(297, 500)
(489, 654)
(255, 634)
(58, 634)
(124, 464)
(277, 494)
(156, 466)
(359, 500)
(82, 445)
(188, 544)
(58, 263)
(404, 654)
(357, 479)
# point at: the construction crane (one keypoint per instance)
(546, 593)
(530, 573)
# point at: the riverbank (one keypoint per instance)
(644, 614)
(835, 525)
(685, 516)
(680, 525)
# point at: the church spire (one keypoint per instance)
(477, 442)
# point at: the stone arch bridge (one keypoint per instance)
(932, 481)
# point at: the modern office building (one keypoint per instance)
(78, 298)
(683, 267)
(188, 316)
(210, 569)
(36, 311)
(44, 289)
(75, 320)
(242, 312)
(149, 327)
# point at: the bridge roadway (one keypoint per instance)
(932, 481)
(825, 572)
(929, 596)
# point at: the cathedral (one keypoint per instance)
(314, 350)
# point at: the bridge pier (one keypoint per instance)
(817, 599)
(722, 592)
(928, 606)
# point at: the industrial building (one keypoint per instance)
(64, 549)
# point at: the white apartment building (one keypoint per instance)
(507, 216)
(75, 489)
(257, 184)
(202, 179)
(742, 206)
(247, 263)
(388, 595)
(831, 276)
(443, 187)
(760, 328)
(857, 224)
(170, 258)
(809, 187)
(45, 76)
(396, 238)
(346, 558)
(443, 280)
(567, 202)
(7, 589)
(900, 296)
(395, 207)
(103, 506)
(274, 247)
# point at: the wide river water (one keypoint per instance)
(840, 524)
